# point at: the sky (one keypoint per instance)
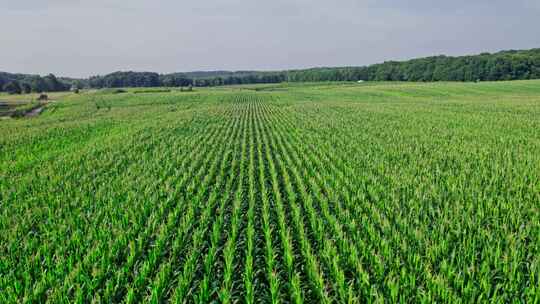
(78, 38)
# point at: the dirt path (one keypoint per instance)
(8, 108)
(35, 112)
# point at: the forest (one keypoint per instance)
(22, 83)
(504, 65)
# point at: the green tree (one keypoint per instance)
(38, 85)
(13, 87)
(25, 87)
(53, 84)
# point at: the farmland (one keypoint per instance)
(282, 193)
(18, 105)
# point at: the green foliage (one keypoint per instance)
(13, 87)
(36, 83)
(506, 65)
(291, 193)
(125, 79)
(25, 88)
(39, 85)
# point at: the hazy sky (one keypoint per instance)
(82, 38)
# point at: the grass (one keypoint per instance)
(18, 105)
(290, 193)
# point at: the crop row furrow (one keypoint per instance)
(185, 285)
(206, 174)
(295, 292)
(271, 268)
(230, 246)
(318, 284)
(101, 213)
(206, 285)
(395, 235)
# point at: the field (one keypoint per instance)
(304, 193)
(19, 105)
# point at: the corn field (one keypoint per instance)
(327, 193)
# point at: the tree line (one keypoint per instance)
(198, 79)
(505, 65)
(21, 83)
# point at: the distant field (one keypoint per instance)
(304, 193)
(11, 103)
